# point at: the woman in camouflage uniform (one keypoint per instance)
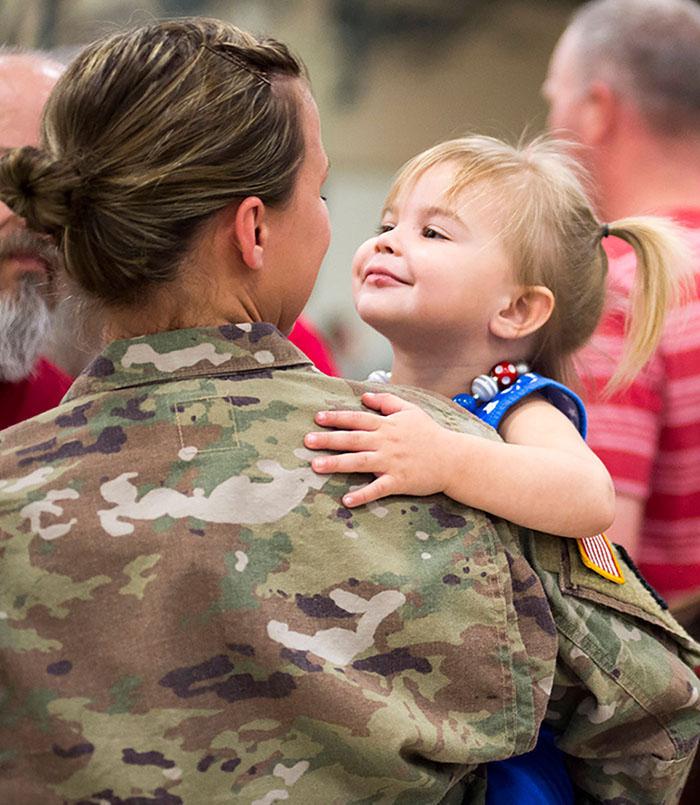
(188, 614)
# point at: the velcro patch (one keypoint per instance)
(597, 555)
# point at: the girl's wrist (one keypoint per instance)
(452, 456)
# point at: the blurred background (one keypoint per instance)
(391, 77)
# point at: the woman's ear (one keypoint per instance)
(526, 313)
(250, 231)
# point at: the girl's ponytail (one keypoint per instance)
(661, 282)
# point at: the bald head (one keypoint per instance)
(647, 51)
(26, 79)
(624, 83)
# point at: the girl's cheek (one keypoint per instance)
(361, 257)
(356, 285)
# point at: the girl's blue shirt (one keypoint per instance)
(561, 397)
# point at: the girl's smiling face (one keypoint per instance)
(437, 267)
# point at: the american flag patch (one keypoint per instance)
(597, 554)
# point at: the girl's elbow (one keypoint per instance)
(597, 506)
(605, 507)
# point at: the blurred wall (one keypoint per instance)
(391, 77)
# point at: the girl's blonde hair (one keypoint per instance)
(147, 134)
(552, 237)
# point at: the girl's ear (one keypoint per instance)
(250, 231)
(526, 313)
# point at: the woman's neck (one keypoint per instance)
(228, 296)
(170, 312)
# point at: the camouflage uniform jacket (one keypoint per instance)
(188, 614)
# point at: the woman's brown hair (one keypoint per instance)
(146, 135)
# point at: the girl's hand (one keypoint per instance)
(405, 448)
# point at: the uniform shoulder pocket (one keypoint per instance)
(634, 596)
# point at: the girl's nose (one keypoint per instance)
(387, 242)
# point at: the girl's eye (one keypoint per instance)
(382, 228)
(324, 198)
(429, 232)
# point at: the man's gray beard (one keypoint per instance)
(25, 321)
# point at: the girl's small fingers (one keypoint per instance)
(344, 462)
(385, 402)
(340, 440)
(351, 420)
(379, 488)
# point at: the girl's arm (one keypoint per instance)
(542, 477)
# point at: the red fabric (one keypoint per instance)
(649, 435)
(305, 336)
(27, 398)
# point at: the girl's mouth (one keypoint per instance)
(382, 278)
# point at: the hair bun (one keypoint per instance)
(38, 188)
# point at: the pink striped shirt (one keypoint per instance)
(649, 435)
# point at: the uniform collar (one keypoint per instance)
(182, 354)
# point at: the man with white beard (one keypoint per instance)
(29, 384)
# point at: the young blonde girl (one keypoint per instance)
(487, 274)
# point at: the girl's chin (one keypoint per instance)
(372, 314)
(393, 327)
(373, 306)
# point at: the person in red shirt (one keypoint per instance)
(623, 82)
(305, 336)
(29, 384)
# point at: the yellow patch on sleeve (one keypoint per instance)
(597, 554)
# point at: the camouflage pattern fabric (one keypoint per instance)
(625, 698)
(188, 614)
